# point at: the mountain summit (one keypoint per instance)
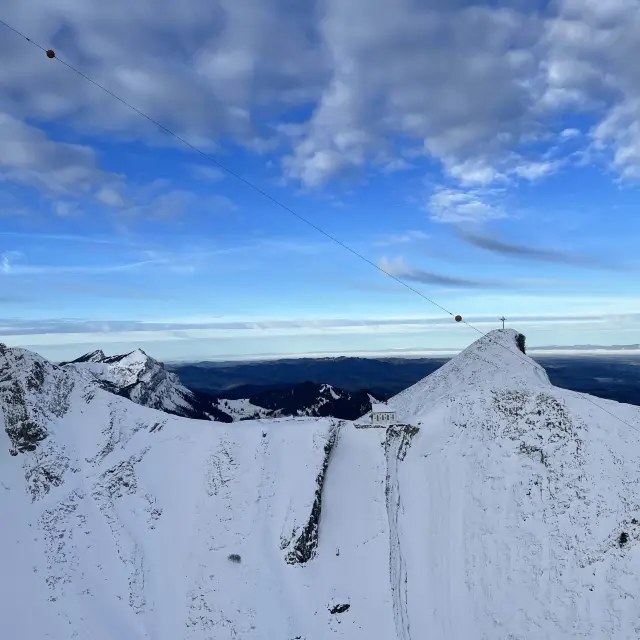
(500, 506)
(496, 360)
(144, 380)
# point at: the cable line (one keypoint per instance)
(50, 53)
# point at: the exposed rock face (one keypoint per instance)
(25, 421)
(34, 392)
(304, 548)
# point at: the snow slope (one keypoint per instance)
(242, 409)
(496, 510)
(122, 518)
(524, 490)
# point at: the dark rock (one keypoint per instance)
(339, 608)
(304, 548)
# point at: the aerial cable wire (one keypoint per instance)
(50, 53)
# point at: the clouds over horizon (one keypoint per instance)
(199, 339)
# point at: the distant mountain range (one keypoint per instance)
(589, 347)
(339, 387)
(146, 382)
(613, 375)
(382, 377)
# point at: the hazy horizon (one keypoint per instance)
(442, 352)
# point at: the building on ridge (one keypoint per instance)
(382, 415)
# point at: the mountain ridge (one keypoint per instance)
(499, 506)
(144, 380)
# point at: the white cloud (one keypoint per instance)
(591, 64)
(535, 170)
(208, 173)
(621, 129)
(111, 197)
(567, 134)
(468, 84)
(475, 172)
(28, 156)
(453, 78)
(13, 267)
(454, 206)
(414, 235)
(397, 164)
(65, 208)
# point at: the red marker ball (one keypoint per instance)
(51, 53)
(458, 318)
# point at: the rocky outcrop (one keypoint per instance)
(304, 547)
(24, 421)
(33, 393)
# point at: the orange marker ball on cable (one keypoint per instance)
(51, 53)
(458, 318)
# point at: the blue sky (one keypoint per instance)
(487, 155)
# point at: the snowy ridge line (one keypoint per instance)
(514, 512)
(500, 337)
(586, 397)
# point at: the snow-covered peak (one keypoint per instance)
(136, 359)
(496, 360)
(94, 356)
(144, 380)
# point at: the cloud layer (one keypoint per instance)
(335, 87)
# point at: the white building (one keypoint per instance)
(382, 415)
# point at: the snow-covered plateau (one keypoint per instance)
(498, 507)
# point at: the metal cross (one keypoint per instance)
(503, 319)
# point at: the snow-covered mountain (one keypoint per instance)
(144, 380)
(500, 507)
